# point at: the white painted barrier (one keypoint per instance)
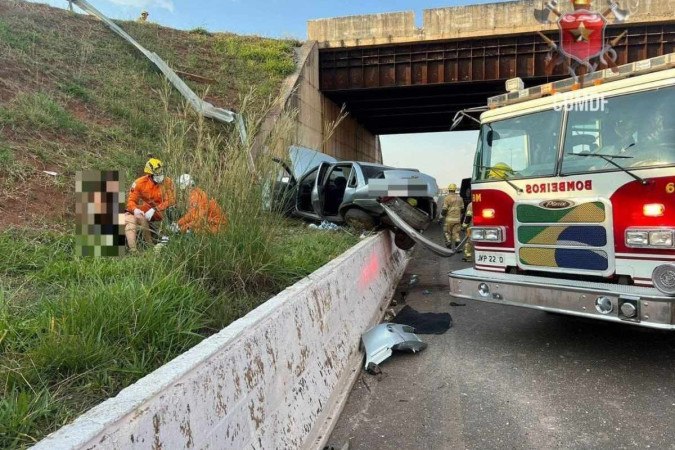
(270, 380)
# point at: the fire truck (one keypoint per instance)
(573, 196)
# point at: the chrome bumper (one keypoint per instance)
(654, 309)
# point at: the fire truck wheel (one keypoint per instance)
(403, 241)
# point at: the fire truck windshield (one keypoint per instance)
(520, 147)
(634, 130)
(626, 132)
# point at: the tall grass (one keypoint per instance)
(74, 331)
(40, 111)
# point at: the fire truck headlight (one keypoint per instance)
(664, 278)
(493, 234)
(656, 238)
(637, 238)
(477, 234)
(661, 238)
(488, 234)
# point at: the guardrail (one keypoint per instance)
(276, 378)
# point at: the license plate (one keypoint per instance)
(489, 258)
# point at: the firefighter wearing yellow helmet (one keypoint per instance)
(149, 198)
(500, 171)
(452, 210)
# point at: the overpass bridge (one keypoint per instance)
(390, 76)
(394, 77)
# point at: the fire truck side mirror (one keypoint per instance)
(491, 137)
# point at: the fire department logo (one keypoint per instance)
(582, 34)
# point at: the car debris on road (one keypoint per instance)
(381, 340)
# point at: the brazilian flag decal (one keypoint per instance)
(593, 235)
(565, 258)
(593, 212)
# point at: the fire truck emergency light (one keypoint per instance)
(594, 78)
(488, 213)
(653, 210)
(514, 84)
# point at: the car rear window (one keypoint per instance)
(372, 172)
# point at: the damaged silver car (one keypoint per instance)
(318, 187)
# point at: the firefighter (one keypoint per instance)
(500, 171)
(468, 222)
(453, 206)
(143, 18)
(149, 198)
(203, 214)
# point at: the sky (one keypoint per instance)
(447, 156)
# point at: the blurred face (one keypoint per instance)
(158, 178)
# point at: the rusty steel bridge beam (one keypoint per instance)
(403, 88)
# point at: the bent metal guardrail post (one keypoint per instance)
(199, 105)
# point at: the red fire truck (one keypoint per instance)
(573, 196)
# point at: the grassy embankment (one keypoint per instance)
(73, 96)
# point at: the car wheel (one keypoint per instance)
(359, 219)
(403, 241)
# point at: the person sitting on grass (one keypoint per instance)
(149, 198)
(203, 213)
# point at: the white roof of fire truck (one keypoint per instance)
(648, 73)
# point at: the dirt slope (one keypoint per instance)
(74, 96)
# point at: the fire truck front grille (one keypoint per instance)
(573, 238)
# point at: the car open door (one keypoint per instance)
(319, 188)
(281, 192)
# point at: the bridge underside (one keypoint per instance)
(414, 88)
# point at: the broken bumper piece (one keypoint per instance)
(381, 340)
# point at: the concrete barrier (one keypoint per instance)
(271, 380)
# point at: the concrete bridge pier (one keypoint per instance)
(320, 123)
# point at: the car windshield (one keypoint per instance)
(634, 131)
(520, 147)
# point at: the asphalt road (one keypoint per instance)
(506, 377)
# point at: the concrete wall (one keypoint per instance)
(314, 116)
(270, 380)
(462, 22)
(355, 28)
(322, 125)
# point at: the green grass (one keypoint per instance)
(57, 61)
(88, 327)
(39, 111)
(75, 331)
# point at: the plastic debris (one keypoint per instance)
(325, 225)
(49, 172)
(426, 292)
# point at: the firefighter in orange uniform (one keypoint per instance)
(149, 197)
(203, 214)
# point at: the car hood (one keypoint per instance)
(305, 159)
